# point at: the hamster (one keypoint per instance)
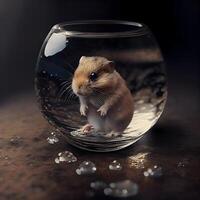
(104, 96)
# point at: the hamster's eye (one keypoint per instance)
(93, 76)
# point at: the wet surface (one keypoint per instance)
(28, 169)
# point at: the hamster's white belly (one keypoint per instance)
(95, 119)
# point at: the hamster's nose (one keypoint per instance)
(80, 87)
(79, 91)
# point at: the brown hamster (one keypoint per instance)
(103, 94)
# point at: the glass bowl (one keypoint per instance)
(101, 83)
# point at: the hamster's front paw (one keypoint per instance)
(83, 109)
(103, 110)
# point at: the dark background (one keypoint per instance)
(27, 169)
(25, 24)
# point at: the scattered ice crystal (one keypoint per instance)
(57, 160)
(52, 139)
(183, 163)
(146, 173)
(6, 157)
(86, 167)
(153, 172)
(15, 140)
(121, 189)
(115, 165)
(65, 156)
(138, 161)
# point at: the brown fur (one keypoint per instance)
(107, 101)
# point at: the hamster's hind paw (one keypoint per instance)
(83, 109)
(103, 110)
(87, 128)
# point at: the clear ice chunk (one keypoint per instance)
(65, 156)
(86, 167)
(115, 165)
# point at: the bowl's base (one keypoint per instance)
(98, 146)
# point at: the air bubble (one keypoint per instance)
(15, 140)
(183, 163)
(115, 165)
(121, 189)
(65, 156)
(86, 167)
(154, 172)
(52, 139)
(98, 185)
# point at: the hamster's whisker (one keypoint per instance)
(62, 93)
(65, 94)
(66, 82)
(72, 95)
(62, 88)
(69, 97)
(65, 88)
(67, 100)
(69, 87)
(63, 82)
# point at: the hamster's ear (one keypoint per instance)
(110, 66)
(82, 59)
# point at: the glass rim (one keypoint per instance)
(142, 29)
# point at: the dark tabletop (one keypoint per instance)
(28, 170)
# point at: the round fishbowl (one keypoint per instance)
(101, 83)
